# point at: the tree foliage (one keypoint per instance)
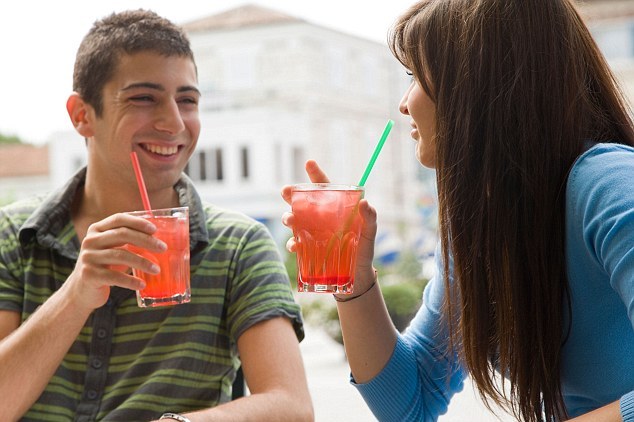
(9, 139)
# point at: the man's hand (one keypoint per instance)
(103, 256)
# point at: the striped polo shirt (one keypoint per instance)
(131, 363)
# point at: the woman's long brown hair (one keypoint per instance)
(520, 87)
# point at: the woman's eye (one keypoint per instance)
(411, 75)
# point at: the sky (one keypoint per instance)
(39, 38)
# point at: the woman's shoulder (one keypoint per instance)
(603, 152)
(601, 175)
(603, 161)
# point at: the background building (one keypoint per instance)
(278, 90)
(24, 171)
(612, 26)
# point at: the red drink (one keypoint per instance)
(327, 229)
(172, 285)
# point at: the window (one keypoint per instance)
(244, 163)
(206, 165)
(203, 168)
(219, 168)
(298, 163)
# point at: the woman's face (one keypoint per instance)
(417, 104)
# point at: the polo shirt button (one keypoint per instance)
(96, 363)
(102, 333)
(91, 394)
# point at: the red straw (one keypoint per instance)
(140, 182)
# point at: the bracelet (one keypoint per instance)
(354, 297)
(175, 416)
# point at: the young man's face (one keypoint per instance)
(149, 106)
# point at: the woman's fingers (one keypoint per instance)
(368, 234)
(291, 245)
(288, 219)
(286, 193)
(315, 173)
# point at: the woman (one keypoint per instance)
(514, 106)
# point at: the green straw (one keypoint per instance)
(377, 150)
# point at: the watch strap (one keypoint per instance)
(175, 416)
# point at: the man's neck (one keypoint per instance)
(92, 204)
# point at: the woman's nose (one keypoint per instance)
(402, 107)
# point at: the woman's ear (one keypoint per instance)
(81, 115)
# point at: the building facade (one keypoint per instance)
(612, 25)
(278, 90)
(24, 171)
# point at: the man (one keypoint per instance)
(75, 346)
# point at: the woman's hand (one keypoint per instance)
(364, 273)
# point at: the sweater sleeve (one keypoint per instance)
(605, 201)
(422, 375)
(627, 407)
(607, 205)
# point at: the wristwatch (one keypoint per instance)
(175, 416)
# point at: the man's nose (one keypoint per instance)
(169, 118)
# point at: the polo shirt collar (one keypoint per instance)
(51, 226)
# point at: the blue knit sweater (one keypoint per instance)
(598, 357)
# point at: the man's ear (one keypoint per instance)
(81, 115)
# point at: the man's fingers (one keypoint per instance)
(123, 220)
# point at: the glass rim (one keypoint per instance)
(159, 210)
(302, 187)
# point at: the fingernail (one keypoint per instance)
(155, 269)
(161, 245)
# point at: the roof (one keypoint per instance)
(240, 17)
(20, 160)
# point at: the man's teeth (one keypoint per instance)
(162, 150)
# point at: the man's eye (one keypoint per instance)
(188, 100)
(141, 98)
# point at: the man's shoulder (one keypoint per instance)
(222, 218)
(19, 211)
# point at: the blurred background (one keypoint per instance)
(282, 81)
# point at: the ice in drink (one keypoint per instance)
(327, 227)
(172, 285)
